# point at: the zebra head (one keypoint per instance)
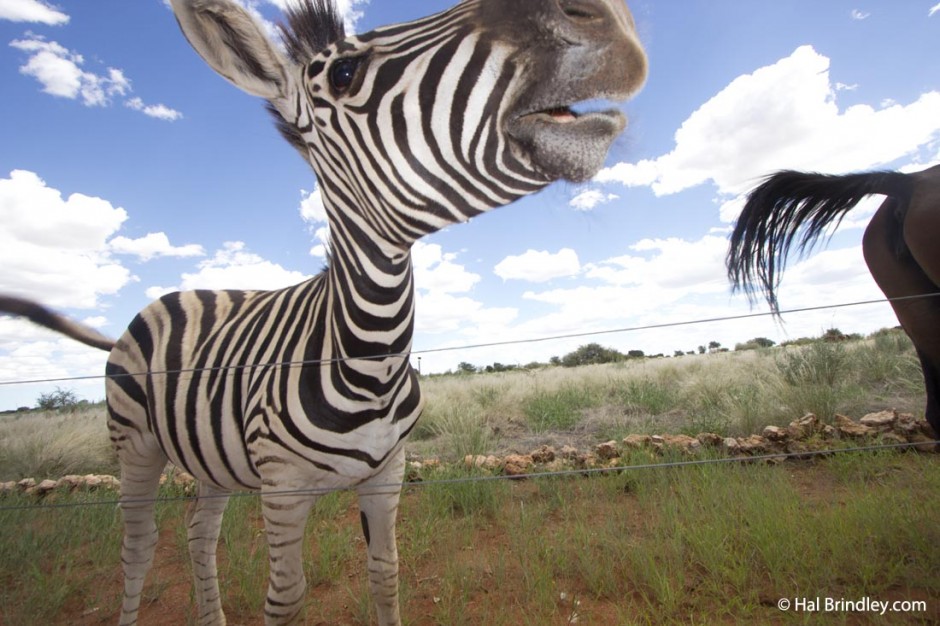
(416, 126)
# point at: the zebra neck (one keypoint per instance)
(370, 296)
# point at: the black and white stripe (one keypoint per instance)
(409, 129)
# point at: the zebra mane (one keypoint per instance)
(312, 25)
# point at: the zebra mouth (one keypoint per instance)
(562, 142)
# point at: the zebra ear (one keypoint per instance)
(233, 44)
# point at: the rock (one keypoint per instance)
(882, 420)
(775, 433)
(544, 454)
(828, 432)
(569, 453)
(432, 463)
(849, 427)
(70, 481)
(906, 424)
(91, 480)
(26, 484)
(607, 450)
(892, 438)
(682, 442)
(489, 462)
(637, 442)
(517, 464)
(730, 445)
(755, 444)
(7, 487)
(804, 427)
(924, 443)
(710, 440)
(45, 487)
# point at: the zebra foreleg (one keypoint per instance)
(285, 517)
(205, 522)
(378, 507)
(140, 479)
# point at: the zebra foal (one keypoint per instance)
(408, 128)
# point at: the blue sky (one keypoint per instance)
(128, 168)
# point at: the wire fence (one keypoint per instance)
(491, 478)
(467, 347)
(421, 484)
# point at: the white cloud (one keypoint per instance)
(781, 116)
(61, 74)
(539, 266)
(934, 9)
(55, 249)
(664, 264)
(153, 245)
(31, 11)
(233, 267)
(158, 111)
(437, 273)
(313, 211)
(590, 199)
(859, 15)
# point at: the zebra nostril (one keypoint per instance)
(580, 10)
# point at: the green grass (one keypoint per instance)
(670, 545)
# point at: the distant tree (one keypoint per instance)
(713, 346)
(498, 367)
(701, 349)
(678, 353)
(555, 360)
(466, 368)
(57, 400)
(589, 354)
(755, 343)
(636, 354)
(834, 334)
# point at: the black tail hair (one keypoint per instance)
(788, 202)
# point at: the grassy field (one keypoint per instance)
(718, 543)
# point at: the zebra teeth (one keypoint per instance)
(562, 115)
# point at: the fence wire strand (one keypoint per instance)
(323, 491)
(492, 344)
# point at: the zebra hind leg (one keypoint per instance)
(140, 479)
(204, 525)
(378, 508)
(285, 517)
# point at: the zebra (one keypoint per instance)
(408, 128)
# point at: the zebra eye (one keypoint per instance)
(342, 73)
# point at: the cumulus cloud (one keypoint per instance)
(436, 271)
(781, 116)
(61, 73)
(158, 111)
(55, 249)
(234, 267)
(859, 15)
(32, 11)
(313, 211)
(539, 266)
(934, 9)
(589, 199)
(153, 245)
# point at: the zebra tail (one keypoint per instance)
(788, 204)
(39, 314)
